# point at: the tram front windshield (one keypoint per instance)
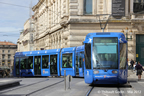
(105, 54)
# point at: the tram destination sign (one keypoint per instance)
(118, 8)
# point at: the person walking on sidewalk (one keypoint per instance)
(135, 63)
(139, 69)
(131, 62)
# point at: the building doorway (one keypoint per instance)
(140, 49)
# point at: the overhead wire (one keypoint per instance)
(14, 5)
(8, 32)
(10, 35)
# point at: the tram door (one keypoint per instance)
(77, 64)
(37, 67)
(81, 64)
(53, 65)
(17, 67)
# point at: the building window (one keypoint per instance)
(3, 63)
(42, 49)
(87, 6)
(8, 51)
(9, 62)
(138, 6)
(9, 56)
(3, 56)
(3, 51)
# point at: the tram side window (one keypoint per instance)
(76, 60)
(23, 62)
(30, 62)
(17, 63)
(45, 60)
(123, 56)
(81, 59)
(67, 60)
(80, 62)
(88, 55)
(39, 61)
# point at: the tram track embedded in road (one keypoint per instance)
(94, 89)
(31, 85)
(119, 91)
(88, 93)
(43, 88)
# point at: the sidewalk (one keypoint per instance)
(133, 77)
(130, 72)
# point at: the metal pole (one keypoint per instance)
(65, 78)
(127, 36)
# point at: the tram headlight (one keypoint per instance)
(95, 72)
(114, 72)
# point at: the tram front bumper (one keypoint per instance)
(105, 79)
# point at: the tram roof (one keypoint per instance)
(70, 49)
(90, 36)
(80, 48)
(37, 52)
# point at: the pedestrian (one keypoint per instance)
(131, 62)
(139, 69)
(135, 63)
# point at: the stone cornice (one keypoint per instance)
(137, 20)
(37, 5)
(49, 32)
(73, 20)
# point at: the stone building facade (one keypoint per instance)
(25, 41)
(7, 52)
(65, 23)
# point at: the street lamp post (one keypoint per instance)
(126, 31)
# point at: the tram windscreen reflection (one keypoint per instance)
(105, 54)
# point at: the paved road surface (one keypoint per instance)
(55, 87)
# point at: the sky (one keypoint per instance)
(12, 18)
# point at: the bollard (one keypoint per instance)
(65, 78)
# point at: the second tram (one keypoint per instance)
(51, 62)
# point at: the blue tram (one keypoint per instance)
(51, 62)
(105, 58)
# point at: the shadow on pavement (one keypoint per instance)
(9, 86)
(113, 85)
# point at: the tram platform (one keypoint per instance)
(4, 83)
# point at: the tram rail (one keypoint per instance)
(32, 85)
(117, 91)
(88, 93)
